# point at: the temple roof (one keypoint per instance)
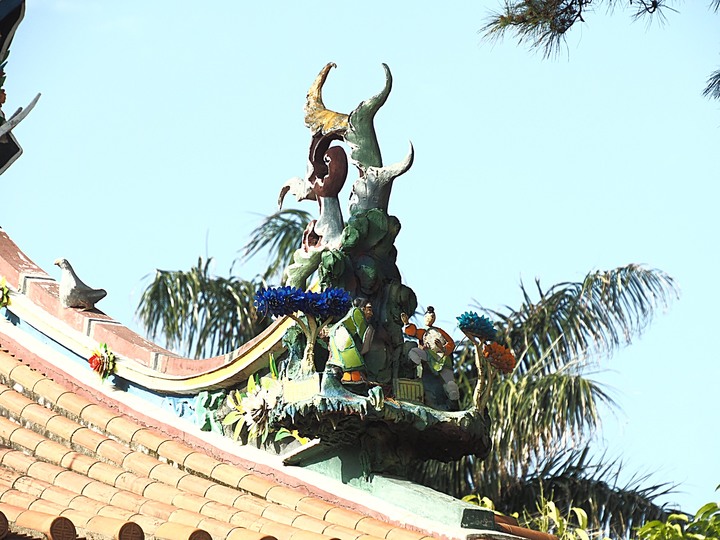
(79, 457)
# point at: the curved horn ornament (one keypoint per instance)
(317, 117)
(372, 190)
(365, 150)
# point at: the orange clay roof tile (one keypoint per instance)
(16, 498)
(112, 451)
(240, 518)
(403, 534)
(194, 503)
(226, 474)
(196, 462)
(72, 404)
(72, 481)
(250, 503)
(61, 428)
(148, 439)
(103, 472)
(285, 496)
(314, 507)
(175, 452)
(342, 533)
(44, 470)
(7, 363)
(87, 439)
(26, 377)
(309, 523)
(374, 527)
(52, 451)
(13, 401)
(178, 531)
(159, 491)
(79, 463)
(223, 494)
(156, 509)
(281, 531)
(97, 416)
(25, 438)
(139, 463)
(168, 474)
(48, 391)
(218, 510)
(280, 514)
(37, 414)
(254, 484)
(244, 534)
(122, 428)
(306, 535)
(115, 528)
(133, 483)
(17, 461)
(28, 485)
(200, 486)
(53, 527)
(6, 429)
(60, 496)
(128, 500)
(341, 516)
(100, 491)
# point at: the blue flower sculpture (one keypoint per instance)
(279, 301)
(480, 327)
(320, 310)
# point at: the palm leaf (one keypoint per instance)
(535, 414)
(280, 234)
(542, 24)
(573, 479)
(593, 316)
(199, 313)
(712, 89)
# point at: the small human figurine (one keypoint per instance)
(350, 339)
(435, 349)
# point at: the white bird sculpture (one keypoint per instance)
(73, 292)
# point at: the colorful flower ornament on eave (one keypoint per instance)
(102, 361)
(500, 357)
(476, 325)
(4, 293)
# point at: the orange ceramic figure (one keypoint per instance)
(435, 348)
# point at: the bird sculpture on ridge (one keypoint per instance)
(73, 292)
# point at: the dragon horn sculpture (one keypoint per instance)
(372, 190)
(317, 117)
(360, 136)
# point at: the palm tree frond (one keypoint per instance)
(712, 89)
(574, 479)
(536, 414)
(593, 316)
(280, 234)
(543, 24)
(204, 314)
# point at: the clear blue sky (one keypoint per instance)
(166, 129)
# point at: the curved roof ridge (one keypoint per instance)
(155, 367)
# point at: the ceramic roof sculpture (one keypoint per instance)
(104, 434)
(80, 456)
(11, 13)
(73, 291)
